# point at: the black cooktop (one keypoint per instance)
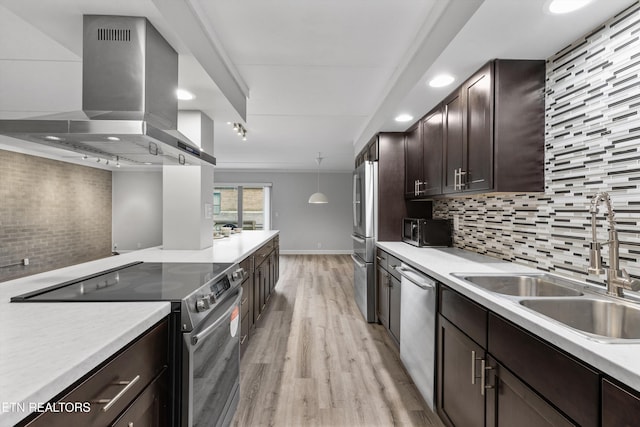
(142, 281)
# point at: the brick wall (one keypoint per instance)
(54, 213)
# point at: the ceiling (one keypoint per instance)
(302, 76)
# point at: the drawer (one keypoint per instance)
(244, 305)
(246, 264)
(393, 262)
(144, 360)
(151, 408)
(573, 387)
(262, 254)
(468, 316)
(381, 258)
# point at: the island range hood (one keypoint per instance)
(129, 106)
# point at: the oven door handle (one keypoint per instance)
(206, 331)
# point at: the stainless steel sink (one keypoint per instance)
(599, 317)
(523, 285)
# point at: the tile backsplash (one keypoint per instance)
(592, 144)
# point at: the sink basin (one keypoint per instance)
(604, 318)
(521, 285)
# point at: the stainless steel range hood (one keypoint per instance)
(130, 109)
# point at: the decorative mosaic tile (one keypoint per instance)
(592, 144)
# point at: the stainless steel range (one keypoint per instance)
(205, 322)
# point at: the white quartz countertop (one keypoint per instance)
(46, 347)
(618, 360)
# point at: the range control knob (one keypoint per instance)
(238, 274)
(202, 304)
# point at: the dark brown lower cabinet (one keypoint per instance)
(459, 401)
(134, 382)
(510, 402)
(505, 376)
(620, 406)
(382, 286)
(394, 308)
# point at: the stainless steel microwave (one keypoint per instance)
(426, 232)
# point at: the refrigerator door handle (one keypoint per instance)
(356, 203)
(358, 263)
(357, 239)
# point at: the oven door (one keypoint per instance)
(211, 368)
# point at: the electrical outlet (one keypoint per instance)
(25, 261)
(456, 222)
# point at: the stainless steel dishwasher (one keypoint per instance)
(418, 329)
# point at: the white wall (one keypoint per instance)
(137, 209)
(305, 228)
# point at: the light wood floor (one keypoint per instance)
(314, 361)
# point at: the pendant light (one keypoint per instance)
(318, 197)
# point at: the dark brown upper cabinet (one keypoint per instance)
(432, 134)
(413, 160)
(423, 157)
(494, 130)
(486, 136)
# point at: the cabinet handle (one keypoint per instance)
(244, 301)
(111, 402)
(455, 179)
(244, 338)
(483, 376)
(461, 174)
(415, 187)
(473, 367)
(474, 359)
(378, 258)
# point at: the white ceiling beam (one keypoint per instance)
(448, 18)
(207, 49)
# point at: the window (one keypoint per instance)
(246, 204)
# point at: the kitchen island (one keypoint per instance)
(46, 347)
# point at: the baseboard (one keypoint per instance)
(316, 252)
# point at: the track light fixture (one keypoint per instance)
(240, 130)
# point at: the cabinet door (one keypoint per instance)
(510, 402)
(150, 408)
(460, 402)
(453, 109)
(258, 296)
(478, 167)
(432, 146)
(382, 287)
(413, 155)
(619, 406)
(394, 308)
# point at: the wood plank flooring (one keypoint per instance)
(313, 360)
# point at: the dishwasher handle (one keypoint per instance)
(418, 279)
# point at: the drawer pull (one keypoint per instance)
(111, 402)
(244, 301)
(244, 338)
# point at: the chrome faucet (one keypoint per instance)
(617, 279)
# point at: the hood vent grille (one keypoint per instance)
(111, 34)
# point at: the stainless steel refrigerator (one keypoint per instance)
(365, 194)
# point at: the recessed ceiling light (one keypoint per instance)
(441, 80)
(148, 163)
(53, 138)
(404, 118)
(113, 138)
(184, 95)
(565, 6)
